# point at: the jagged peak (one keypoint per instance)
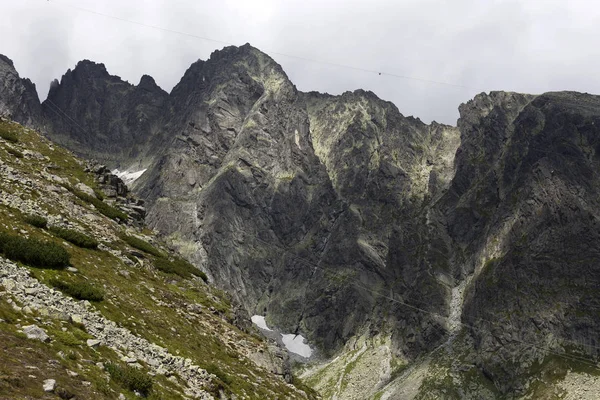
(148, 83)
(90, 65)
(7, 60)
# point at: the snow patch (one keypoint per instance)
(296, 344)
(259, 321)
(127, 176)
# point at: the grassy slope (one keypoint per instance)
(150, 303)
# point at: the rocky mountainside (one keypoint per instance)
(421, 261)
(93, 305)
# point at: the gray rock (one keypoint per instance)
(18, 97)
(35, 332)
(49, 385)
(93, 342)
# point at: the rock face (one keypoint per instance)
(101, 116)
(338, 217)
(18, 97)
(524, 210)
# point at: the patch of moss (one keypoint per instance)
(106, 209)
(33, 252)
(142, 245)
(77, 238)
(179, 267)
(130, 378)
(8, 135)
(35, 220)
(15, 152)
(78, 290)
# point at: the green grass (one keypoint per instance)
(79, 290)
(106, 209)
(15, 153)
(77, 238)
(142, 245)
(130, 378)
(34, 252)
(179, 267)
(36, 220)
(7, 135)
(216, 371)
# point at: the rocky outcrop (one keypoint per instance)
(527, 220)
(100, 116)
(18, 96)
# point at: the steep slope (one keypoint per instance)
(531, 208)
(100, 306)
(18, 96)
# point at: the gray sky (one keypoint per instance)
(520, 45)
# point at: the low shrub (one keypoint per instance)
(36, 220)
(66, 338)
(15, 153)
(179, 267)
(33, 252)
(131, 378)
(78, 290)
(8, 135)
(99, 195)
(106, 209)
(216, 371)
(77, 238)
(142, 245)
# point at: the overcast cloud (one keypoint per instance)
(528, 46)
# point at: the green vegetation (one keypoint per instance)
(99, 195)
(108, 210)
(79, 290)
(180, 267)
(33, 252)
(130, 378)
(15, 152)
(36, 220)
(216, 371)
(7, 135)
(77, 238)
(142, 245)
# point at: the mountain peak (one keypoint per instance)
(7, 60)
(148, 83)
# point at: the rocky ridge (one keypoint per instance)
(462, 257)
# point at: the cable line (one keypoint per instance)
(312, 60)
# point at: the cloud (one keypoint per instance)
(529, 46)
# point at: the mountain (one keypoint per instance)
(18, 97)
(420, 260)
(94, 305)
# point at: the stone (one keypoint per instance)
(9, 284)
(72, 269)
(93, 343)
(76, 319)
(35, 332)
(49, 385)
(85, 189)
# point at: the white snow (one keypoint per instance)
(259, 321)
(296, 344)
(127, 176)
